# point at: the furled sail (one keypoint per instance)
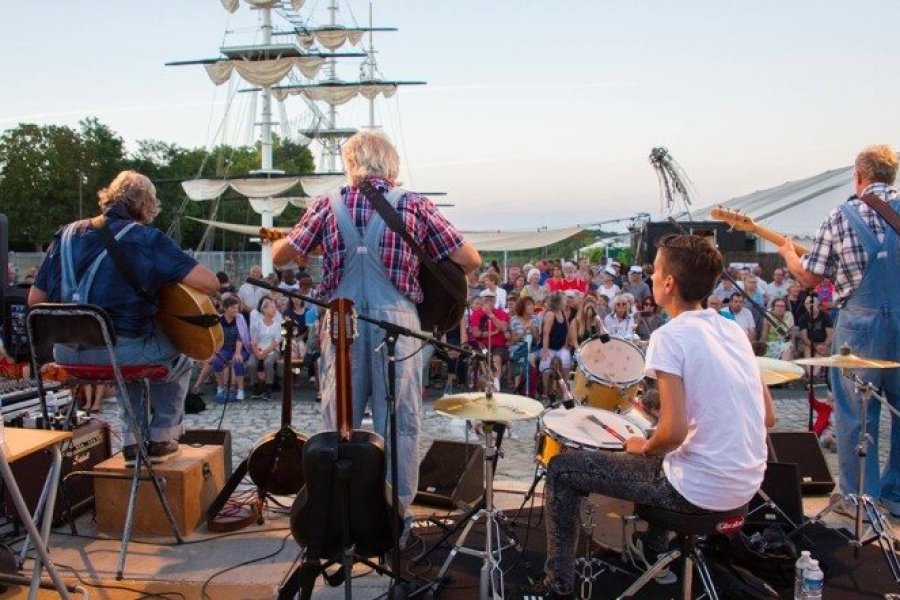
(336, 93)
(259, 188)
(331, 38)
(232, 5)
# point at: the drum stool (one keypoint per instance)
(690, 529)
(89, 325)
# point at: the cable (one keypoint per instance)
(110, 586)
(206, 583)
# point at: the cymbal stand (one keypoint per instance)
(491, 580)
(881, 528)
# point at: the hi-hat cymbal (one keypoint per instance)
(776, 371)
(476, 406)
(848, 361)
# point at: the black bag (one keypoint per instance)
(768, 553)
(194, 404)
(737, 583)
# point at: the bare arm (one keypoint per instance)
(467, 257)
(792, 260)
(203, 279)
(37, 295)
(283, 252)
(769, 406)
(673, 426)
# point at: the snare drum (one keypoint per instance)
(608, 374)
(640, 417)
(564, 429)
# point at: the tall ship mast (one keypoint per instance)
(291, 57)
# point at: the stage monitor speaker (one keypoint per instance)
(782, 485)
(802, 448)
(451, 472)
(210, 437)
(89, 447)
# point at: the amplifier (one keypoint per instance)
(90, 445)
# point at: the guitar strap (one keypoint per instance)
(883, 209)
(392, 220)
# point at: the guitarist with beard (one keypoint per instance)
(129, 205)
(366, 262)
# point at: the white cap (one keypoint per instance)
(636, 269)
(610, 270)
(488, 293)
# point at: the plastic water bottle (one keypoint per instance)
(813, 581)
(800, 566)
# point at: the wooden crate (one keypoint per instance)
(192, 481)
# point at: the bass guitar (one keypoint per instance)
(344, 502)
(275, 463)
(189, 319)
(743, 222)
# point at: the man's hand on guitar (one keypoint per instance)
(270, 235)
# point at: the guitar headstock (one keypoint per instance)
(735, 218)
(341, 321)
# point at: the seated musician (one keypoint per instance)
(708, 452)
(129, 201)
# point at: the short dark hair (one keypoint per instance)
(229, 302)
(736, 294)
(693, 262)
(222, 276)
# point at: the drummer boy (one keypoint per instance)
(708, 452)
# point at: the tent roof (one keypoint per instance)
(796, 208)
(483, 240)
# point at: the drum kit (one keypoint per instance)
(610, 407)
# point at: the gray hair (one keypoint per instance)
(133, 191)
(370, 154)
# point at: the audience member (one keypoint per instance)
(741, 315)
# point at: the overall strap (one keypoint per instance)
(78, 290)
(867, 236)
(346, 226)
(375, 226)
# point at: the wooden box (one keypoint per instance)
(192, 479)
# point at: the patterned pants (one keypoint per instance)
(573, 475)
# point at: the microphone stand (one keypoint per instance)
(392, 333)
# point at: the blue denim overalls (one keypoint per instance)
(869, 323)
(365, 282)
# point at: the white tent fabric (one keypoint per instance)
(274, 205)
(264, 72)
(795, 208)
(208, 189)
(332, 39)
(232, 5)
(497, 241)
(336, 95)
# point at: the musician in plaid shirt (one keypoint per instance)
(860, 252)
(367, 262)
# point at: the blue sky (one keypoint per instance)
(536, 113)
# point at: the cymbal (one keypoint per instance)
(477, 407)
(776, 371)
(848, 361)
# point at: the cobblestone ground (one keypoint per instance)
(251, 419)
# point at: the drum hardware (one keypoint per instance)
(608, 374)
(881, 529)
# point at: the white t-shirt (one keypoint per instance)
(610, 292)
(721, 462)
(250, 295)
(264, 335)
(745, 319)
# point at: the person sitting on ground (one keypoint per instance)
(743, 317)
(228, 362)
(585, 324)
(265, 342)
(524, 329)
(250, 294)
(779, 344)
(608, 285)
(491, 281)
(533, 289)
(620, 322)
(488, 327)
(572, 280)
(651, 318)
(554, 337)
(779, 286)
(708, 451)
(555, 282)
(816, 330)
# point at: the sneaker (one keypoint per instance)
(220, 397)
(644, 558)
(163, 451)
(239, 395)
(231, 396)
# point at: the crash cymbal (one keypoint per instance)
(477, 407)
(847, 360)
(776, 371)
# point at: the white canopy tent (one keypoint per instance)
(796, 208)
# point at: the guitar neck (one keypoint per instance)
(341, 336)
(287, 384)
(741, 222)
(776, 238)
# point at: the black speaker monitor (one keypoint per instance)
(782, 485)
(451, 472)
(802, 448)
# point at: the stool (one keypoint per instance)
(89, 325)
(689, 529)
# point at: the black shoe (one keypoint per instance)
(541, 588)
(162, 451)
(129, 453)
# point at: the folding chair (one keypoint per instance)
(89, 325)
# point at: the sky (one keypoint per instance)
(535, 113)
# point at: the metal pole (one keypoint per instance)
(267, 215)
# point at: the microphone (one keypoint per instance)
(602, 334)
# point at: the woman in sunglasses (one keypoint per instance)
(649, 318)
(620, 322)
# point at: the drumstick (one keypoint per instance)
(607, 428)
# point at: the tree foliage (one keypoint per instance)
(50, 175)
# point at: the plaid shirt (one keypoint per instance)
(319, 227)
(837, 252)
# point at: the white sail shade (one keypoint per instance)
(232, 5)
(208, 189)
(332, 39)
(264, 72)
(338, 94)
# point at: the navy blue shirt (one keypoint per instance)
(154, 257)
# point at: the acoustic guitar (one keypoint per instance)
(743, 222)
(345, 493)
(189, 320)
(274, 464)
